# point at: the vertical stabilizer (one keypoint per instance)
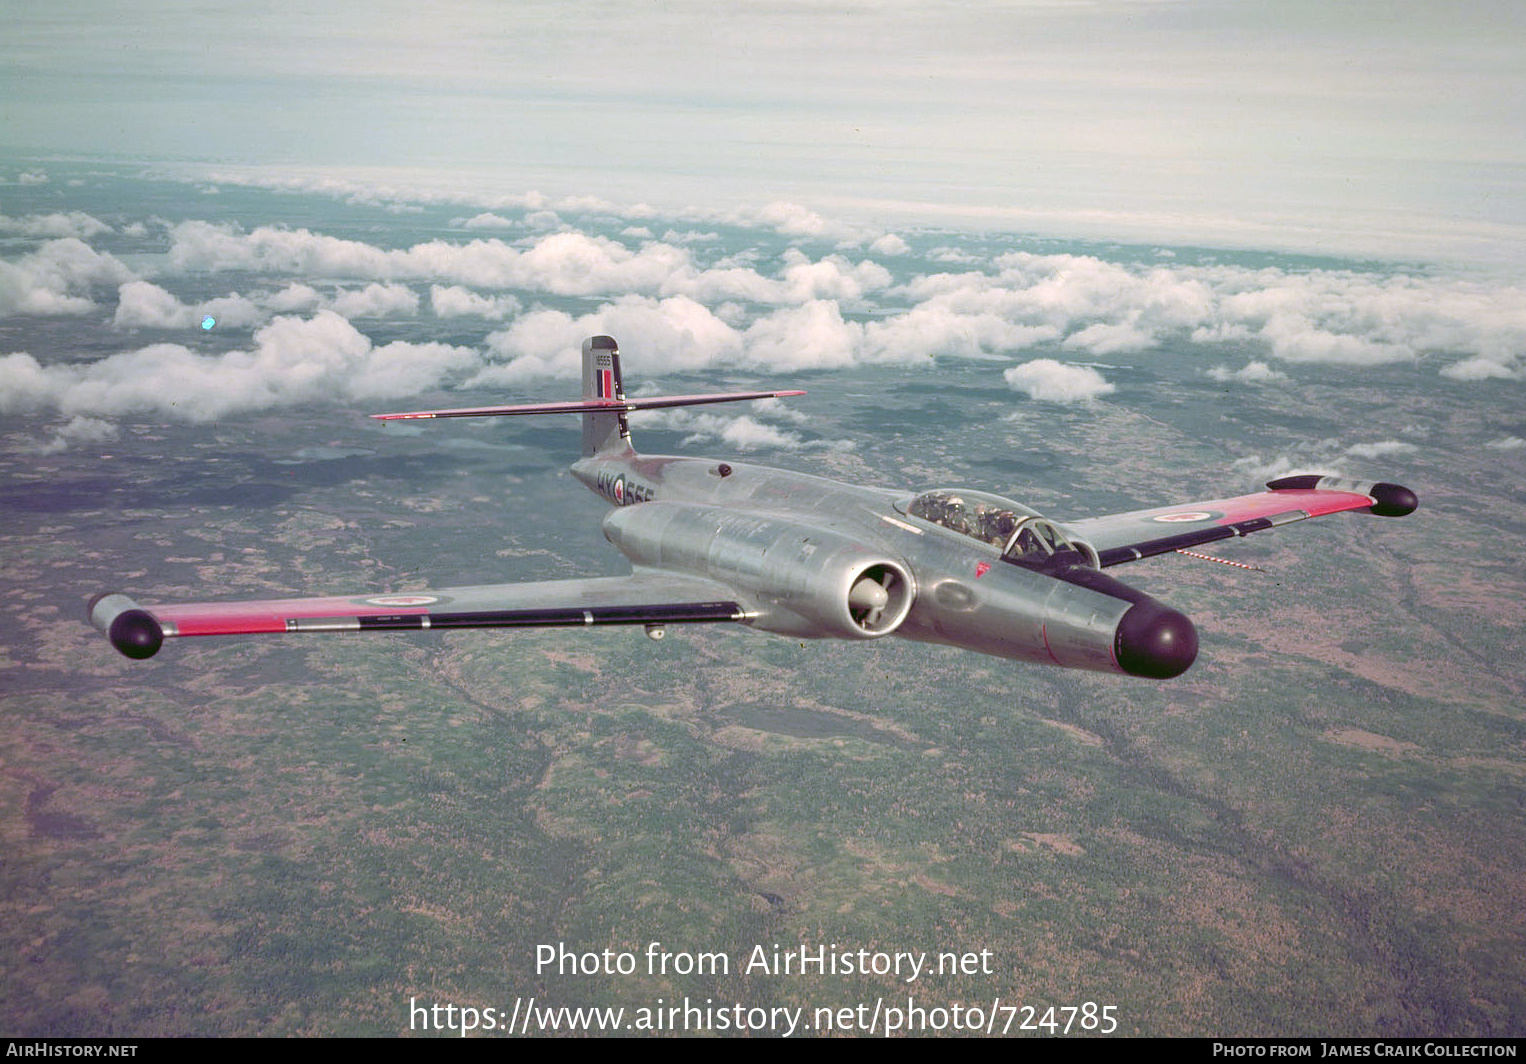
(603, 432)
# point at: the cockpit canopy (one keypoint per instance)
(1022, 536)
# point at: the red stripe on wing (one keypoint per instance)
(1316, 503)
(241, 618)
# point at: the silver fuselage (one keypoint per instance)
(795, 544)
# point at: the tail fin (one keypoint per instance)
(604, 406)
(604, 431)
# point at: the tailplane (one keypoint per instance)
(603, 406)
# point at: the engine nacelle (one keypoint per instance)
(804, 580)
(1074, 616)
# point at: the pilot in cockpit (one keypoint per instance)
(997, 526)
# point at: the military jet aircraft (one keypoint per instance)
(803, 556)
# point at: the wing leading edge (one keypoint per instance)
(641, 598)
(1128, 537)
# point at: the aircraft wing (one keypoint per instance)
(1128, 537)
(645, 597)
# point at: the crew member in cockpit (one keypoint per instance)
(1028, 545)
(997, 526)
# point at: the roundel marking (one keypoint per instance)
(1185, 515)
(618, 489)
(401, 600)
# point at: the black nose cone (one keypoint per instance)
(1155, 641)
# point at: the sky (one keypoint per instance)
(1343, 126)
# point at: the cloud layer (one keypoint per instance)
(729, 296)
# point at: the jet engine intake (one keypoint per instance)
(803, 580)
(879, 597)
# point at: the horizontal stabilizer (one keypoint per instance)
(586, 406)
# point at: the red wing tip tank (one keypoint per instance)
(803, 556)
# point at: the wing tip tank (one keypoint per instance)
(129, 627)
(1388, 500)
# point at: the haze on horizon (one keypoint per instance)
(1350, 127)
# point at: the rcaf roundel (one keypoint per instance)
(1185, 516)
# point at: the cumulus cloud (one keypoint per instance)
(293, 360)
(1253, 467)
(58, 278)
(1325, 457)
(1380, 449)
(1057, 382)
(780, 410)
(79, 430)
(376, 300)
(486, 220)
(673, 236)
(680, 334)
(1484, 367)
(455, 301)
(1112, 338)
(658, 335)
(75, 224)
(543, 220)
(294, 298)
(1325, 316)
(742, 432)
(24, 386)
(1252, 372)
(1295, 338)
(141, 304)
(562, 263)
(813, 336)
(792, 220)
(737, 432)
(830, 278)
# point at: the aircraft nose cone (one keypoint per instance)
(1155, 641)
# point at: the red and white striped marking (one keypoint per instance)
(1221, 561)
